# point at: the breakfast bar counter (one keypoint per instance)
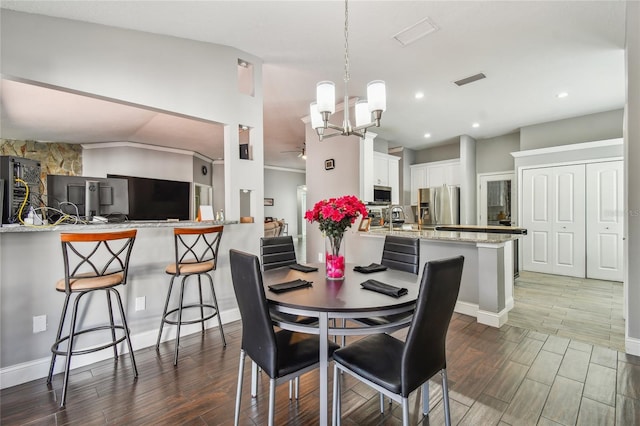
(31, 263)
(486, 291)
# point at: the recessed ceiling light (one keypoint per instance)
(475, 125)
(427, 135)
(419, 95)
(562, 95)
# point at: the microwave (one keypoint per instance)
(382, 194)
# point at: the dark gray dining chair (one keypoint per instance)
(276, 252)
(401, 253)
(283, 355)
(396, 368)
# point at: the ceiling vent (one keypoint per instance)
(415, 32)
(471, 79)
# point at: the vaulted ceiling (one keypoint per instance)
(530, 51)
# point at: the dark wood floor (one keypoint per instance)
(510, 376)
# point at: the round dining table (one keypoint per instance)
(339, 300)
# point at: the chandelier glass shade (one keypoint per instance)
(367, 112)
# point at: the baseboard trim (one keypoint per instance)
(632, 346)
(466, 308)
(493, 319)
(27, 371)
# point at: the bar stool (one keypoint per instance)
(92, 262)
(196, 253)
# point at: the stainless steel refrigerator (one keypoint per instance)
(439, 205)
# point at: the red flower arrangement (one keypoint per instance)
(335, 215)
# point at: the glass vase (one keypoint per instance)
(334, 257)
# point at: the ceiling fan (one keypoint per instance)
(302, 152)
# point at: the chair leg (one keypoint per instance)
(112, 324)
(425, 398)
(164, 312)
(405, 411)
(254, 379)
(180, 302)
(215, 303)
(272, 400)
(236, 417)
(445, 398)
(297, 387)
(126, 332)
(201, 302)
(72, 327)
(336, 396)
(58, 335)
(381, 402)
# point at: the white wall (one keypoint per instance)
(167, 73)
(138, 160)
(344, 179)
(592, 127)
(282, 185)
(494, 154)
(175, 75)
(632, 170)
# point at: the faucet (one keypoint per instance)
(391, 209)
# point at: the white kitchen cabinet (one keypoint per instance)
(386, 172)
(380, 169)
(418, 180)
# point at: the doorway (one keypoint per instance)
(496, 202)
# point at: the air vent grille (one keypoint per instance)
(415, 32)
(471, 79)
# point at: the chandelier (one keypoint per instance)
(368, 112)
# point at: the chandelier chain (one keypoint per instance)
(346, 41)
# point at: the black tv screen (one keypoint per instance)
(157, 199)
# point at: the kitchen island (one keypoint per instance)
(486, 290)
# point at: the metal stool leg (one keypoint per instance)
(113, 326)
(175, 357)
(58, 335)
(201, 303)
(72, 327)
(126, 332)
(215, 303)
(164, 312)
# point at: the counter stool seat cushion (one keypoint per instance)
(187, 268)
(91, 282)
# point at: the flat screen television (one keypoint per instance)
(157, 199)
(69, 194)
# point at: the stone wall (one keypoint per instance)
(55, 158)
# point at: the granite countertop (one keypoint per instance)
(453, 236)
(102, 226)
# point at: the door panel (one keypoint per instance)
(539, 247)
(553, 213)
(604, 220)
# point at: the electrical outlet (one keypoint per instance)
(320, 257)
(141, 303)
(39, 323)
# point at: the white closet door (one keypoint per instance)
(604, 220)
(554, 216)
